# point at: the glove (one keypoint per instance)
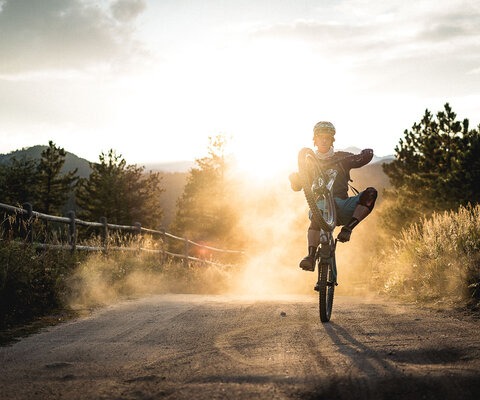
(295, 182)
(367, 155)
(344, 235)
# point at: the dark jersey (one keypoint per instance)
(343, 167)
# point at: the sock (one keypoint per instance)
(352, 224)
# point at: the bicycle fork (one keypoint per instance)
(326, 254)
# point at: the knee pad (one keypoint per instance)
(368, 198)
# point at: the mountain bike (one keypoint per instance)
(317, 178)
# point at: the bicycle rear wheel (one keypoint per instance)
(310, 171)
(326, 289)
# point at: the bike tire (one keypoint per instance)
(308, 169)
(326, 289)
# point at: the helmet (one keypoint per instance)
(324, 128)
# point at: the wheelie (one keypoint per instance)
(324, 177)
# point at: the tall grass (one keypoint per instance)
(436, 260)
(32, 282)
(35, 282)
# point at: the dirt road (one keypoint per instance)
(217, 347)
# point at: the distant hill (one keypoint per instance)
(370, 175)
(176, 166)
(173, 182)
(71, 160)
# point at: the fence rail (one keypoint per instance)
(28, 216)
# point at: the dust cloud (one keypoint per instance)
(277, 222)
(273, 220)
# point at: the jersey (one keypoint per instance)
(343, 167)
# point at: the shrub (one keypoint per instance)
(32, 282)
(436, 259)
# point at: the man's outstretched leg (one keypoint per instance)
(364, 207)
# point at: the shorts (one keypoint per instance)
(345, 208)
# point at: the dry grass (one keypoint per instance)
(435, 260)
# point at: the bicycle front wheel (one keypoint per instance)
(326, 289)
(310, 171)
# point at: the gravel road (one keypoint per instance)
(220, 347)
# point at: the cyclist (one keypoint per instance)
(350, 210)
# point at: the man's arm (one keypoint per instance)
(359, 160)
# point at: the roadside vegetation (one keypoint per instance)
(429, 223)
(435, 261)
(32, 282)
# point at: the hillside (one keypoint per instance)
(370, 175)
(71, 160)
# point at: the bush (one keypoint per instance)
(437, 259)
(32, 282)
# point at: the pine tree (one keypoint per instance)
(122, 193)
(54, 188)
(206, 208)
(18, 181)
(436, 168)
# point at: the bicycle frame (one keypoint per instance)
(326, 251)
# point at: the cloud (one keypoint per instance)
(382, 29)
(449, 24)
(127, 10)
(427, 47)
(475, 71)
(66, 34)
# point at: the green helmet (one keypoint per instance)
(324, 128)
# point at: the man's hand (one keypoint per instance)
(367, 155)
(367, 152)
(295, 182)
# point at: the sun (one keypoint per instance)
(263, 163)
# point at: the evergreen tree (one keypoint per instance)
(18, 181)
(206, 208)
(122, 193)
(467, 171)
(436, 168)
(54, 188)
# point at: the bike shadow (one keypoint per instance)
(370, 369)
(369, 360)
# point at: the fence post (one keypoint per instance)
(103, 221)
(164, 244)
(138, 232)
(186, 251)
(72, 231)
(26, 229)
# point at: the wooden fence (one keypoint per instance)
(27, 216)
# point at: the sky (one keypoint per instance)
(153, 79)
